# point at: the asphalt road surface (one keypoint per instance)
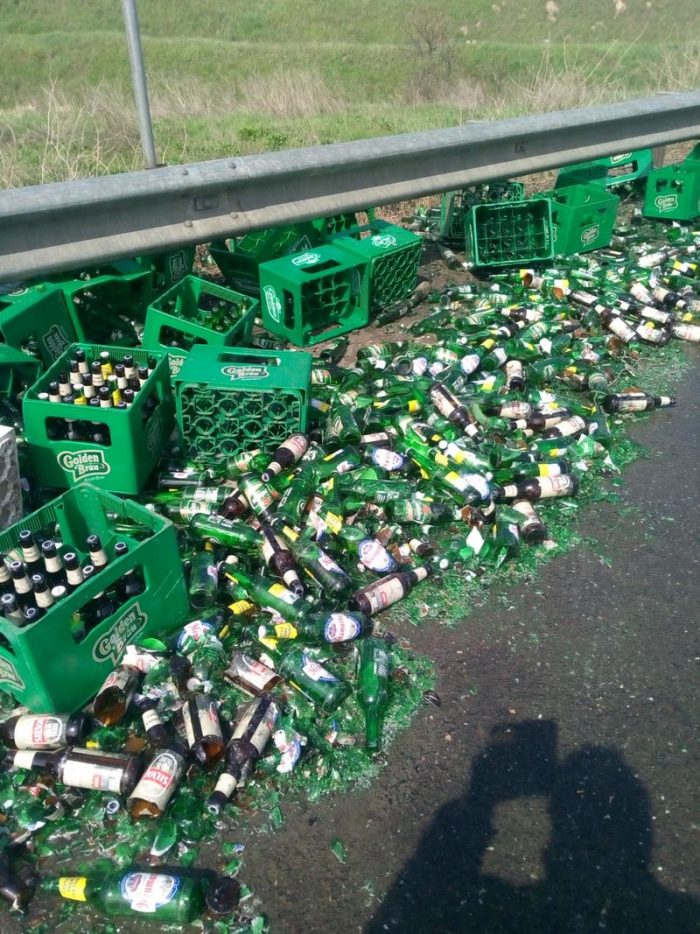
(563, 795)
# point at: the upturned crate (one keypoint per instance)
(312, 296)
(108, 298)
(231, 400)
(39, 314)
(455, 205)
(239, 259)
(673, 192)
(514, 233)
(392, 254)
(41, 664)
(178, 310)
(583, 217)
(135, 445)
(17, 370)
(609, 171)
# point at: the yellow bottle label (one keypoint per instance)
(73, 887)
(333, 522)
(240, 608)
(488, 384)
(286, 631)
(488, 343)
(441, 460)
(280, 591)
(413, 406)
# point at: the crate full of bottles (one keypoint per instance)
(195, 311)
(513, 233)
(583, 217)
(392, 254)
(80, 579)
(101, 414)
(315, 295)
(231, 400)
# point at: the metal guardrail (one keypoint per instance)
(47, 228)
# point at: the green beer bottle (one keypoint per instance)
(266, 592)
(231, 533)
(156, 896)
(319, 628)
(317, 563)
(373, 688)
(298, 667)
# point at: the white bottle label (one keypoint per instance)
(387, 460)
(374, 556)
(120, 678)
(470, 363)
(556, 486)
(226, 784)
(571, 426)
(148, 891)
(150, 718)
(81, 774)
(260, 736)
(297, 444)
(202, 722)
(312, 669)
(341, 627)
(42, 732)
(329, 564)
(160, 779)
(251, 672)
(384, 593)
(516, 409)
(620, 327)
(205, 494)
(289, 749)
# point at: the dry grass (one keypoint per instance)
(94, 132)
(289, 94)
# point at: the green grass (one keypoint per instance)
(228, 77)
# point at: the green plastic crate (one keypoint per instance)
(330, 227)
(312, 296)
(108, 304)
(583, 217)
(38, 314)
(180, 313)
(392, 254)
(608, 171)
(231, 400)
(17, 370)
(673, 192)
(454, 205)
(169, 268)
(136, 442)
(239, 258)
(41, 664)
(515, 233)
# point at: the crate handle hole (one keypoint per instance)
(233, 357)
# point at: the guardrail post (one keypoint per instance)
(138, 77)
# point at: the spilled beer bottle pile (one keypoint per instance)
(448, 454)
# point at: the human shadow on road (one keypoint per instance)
(596, 862)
